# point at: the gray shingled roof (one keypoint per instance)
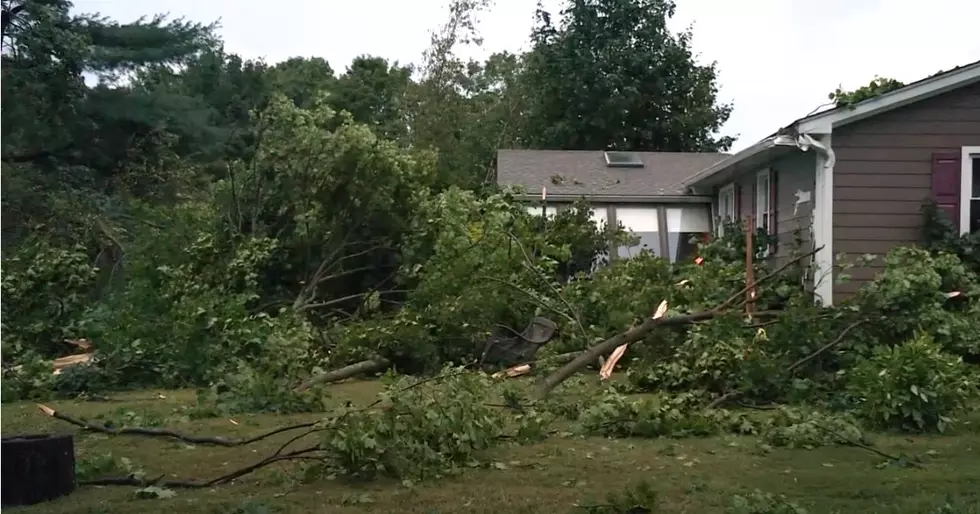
(575, 172)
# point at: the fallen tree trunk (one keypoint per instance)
(359, 368)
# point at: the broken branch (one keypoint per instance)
(302, 454)
(640, 331)
(353, 370)
(166, 432)
(825, 347)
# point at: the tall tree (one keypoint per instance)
(465, 110)
(302, 79)
(375, 93)
(60, 134)
(611, 75)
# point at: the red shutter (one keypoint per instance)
(946, 184)
(773, 211)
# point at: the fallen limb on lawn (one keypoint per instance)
(359, 368)
(167, 433)
(314, 452)
(640, 331)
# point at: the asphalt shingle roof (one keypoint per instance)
(579, 172)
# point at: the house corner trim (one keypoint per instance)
(966, 185)
(823, 224)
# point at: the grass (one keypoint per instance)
(690, 475)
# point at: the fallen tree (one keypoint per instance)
(638, 332)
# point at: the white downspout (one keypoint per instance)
(823, 210)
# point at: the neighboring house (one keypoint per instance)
(643, 191)
(858, 176)
(853, 179)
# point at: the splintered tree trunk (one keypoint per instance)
(36, 468)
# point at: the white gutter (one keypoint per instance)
(804, 142)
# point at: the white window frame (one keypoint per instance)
(763, 210)
(966, 185)
(535, 210)
(730, 214)
(641, 218)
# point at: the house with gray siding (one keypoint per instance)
(852, 179)
(858, 176)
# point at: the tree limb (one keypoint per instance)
(343, 299)
(353, 370)
(827, 346)
(167, 433)
(302, 454)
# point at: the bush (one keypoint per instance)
(423, 429)
(914, 386)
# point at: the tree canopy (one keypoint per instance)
(611, 75)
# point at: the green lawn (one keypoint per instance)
(692, 475)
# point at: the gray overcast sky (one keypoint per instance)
(778, 59)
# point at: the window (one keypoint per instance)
(536, 210)
(975, 194)
(600, 216)
(642, 222)
(623, 160)
(970, 190)
(684, 225)
(726, 206)
(763, 200)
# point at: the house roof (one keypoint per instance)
(576, 173)
(824, 122)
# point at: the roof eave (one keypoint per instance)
(824, 123)
(699, 178)
(563, 198)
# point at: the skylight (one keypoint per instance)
(623, 160)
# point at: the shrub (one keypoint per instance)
(422, 429)
(914, 386)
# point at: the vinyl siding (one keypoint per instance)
(792, 173)
(883, 175)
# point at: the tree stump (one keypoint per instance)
(36, 468)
